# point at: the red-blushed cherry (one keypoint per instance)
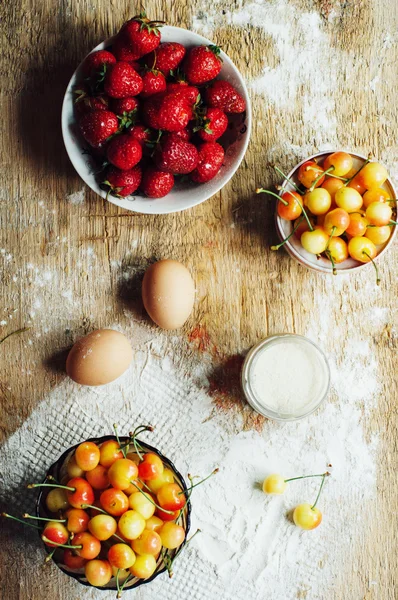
(307, 517)
(90, 546)
(73, 561)
(77, 520)
(109, 453)
(308, 173)
(83, 492)
(166, 477)
(144, 566)
(149, 542)
(98, 572)
(172, 535)
(55, 532)
(102, 527)
(114, 502)
(121, 556)
(121, 473)
(151, 467)
(167, 516)
(87, 456)
(98, 478)
(171, 497)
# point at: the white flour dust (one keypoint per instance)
(76, 197)
(248, 548)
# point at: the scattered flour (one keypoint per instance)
(76, 197)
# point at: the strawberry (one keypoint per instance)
(124, 152)
(153, 83)
(123, 183)
(183, 134)
(170, 112)
(122, 50)
(213, 125)
(168, 57)
(85, 103)
(142, 35)
(190, 92)
(202, 64)
(122, 105)
(176, 156)
(156, 183)
(210, 159)
(122, 81)
(140, 133)
(96, 60)
(97, 126)
(221, 94)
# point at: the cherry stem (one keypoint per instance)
(356, 173)
(263, 191)
(169, 561)
(170, 512)
(26, 516)
(303, 209)
(45, 539)
(14, 333)
(393, 222)
(84, 506)
(121, 588)
(281, 173)
(122, 449)
(313, 186)
(307, 476)
(53, 485)
(145, 485)
(319, 492)
(50, 555)
(336, 176)
(290, 234)
(6, 515)
(119, 538)
(330, 257)
(375, 266)
(199, 482)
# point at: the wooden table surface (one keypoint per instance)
(245, 291)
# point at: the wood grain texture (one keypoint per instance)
(245, 291)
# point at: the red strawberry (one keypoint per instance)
(122, 81)
(85, 103)
(211, 156)
(168, 56)
(190, 92)
(98, 126)
(122, 105)
(122, 50)
(202, 64)
(183, 134)
(156, 183)
(153, 83)
(221, 94)
(96, 60)
(123, 183)
(170, 112)
(124, 152)
(176, 156)
(140, 133)
(142, 35)
(214, 124)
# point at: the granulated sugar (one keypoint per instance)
(248, 548)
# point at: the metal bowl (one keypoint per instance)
(58, 470)
(293, 246)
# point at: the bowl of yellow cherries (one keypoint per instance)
(336, 211)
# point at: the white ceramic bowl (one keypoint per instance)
(294, 247)
(183, 195)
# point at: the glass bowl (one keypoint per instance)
(293, 246)
(313, 353)
(58, 471)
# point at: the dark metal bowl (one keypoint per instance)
(57, 470)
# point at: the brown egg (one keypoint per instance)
(168, 293)
(99, 358)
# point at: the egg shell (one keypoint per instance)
(98, 358)
(168, 293)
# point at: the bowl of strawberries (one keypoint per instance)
(156, 119)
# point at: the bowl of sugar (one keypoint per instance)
(285, 377)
